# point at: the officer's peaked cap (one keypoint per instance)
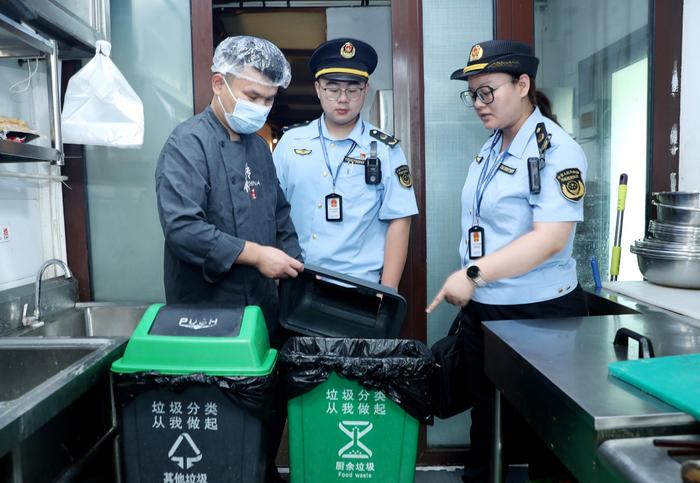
(509, 56)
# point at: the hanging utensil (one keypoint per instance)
(617, 245)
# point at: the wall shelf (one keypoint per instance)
(11, 152)
(19, 41)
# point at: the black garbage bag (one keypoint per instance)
(400, 368)
(250, 393)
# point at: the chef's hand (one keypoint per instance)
(270, 261)
(457, 290)
(274, 263)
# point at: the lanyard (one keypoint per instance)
(325, 153)
(485, 177)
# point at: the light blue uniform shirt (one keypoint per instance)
(508, 210)
(355, 245)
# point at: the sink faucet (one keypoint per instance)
(35, 320)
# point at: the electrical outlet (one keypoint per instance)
(4, 233)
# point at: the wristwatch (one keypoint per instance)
(474, 274)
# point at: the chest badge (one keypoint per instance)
(250, 183)
(350, 160)
(302, 152)
(506, 169)
(571, 185)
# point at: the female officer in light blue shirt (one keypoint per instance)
(520, 204)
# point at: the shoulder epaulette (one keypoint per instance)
(299, 124)
(390, 141)
(543, 138)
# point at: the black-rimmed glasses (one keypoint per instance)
(333, 93)
(483, 93)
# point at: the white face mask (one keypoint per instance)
(247, 117)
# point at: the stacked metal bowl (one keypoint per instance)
(670, 255)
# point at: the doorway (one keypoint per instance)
(298, 28)
(297, 31)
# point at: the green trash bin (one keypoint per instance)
(343, 422)
(191, 394)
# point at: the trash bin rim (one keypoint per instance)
(421, 350)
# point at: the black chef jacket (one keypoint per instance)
(215, 194)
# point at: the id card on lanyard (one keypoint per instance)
(334, 202)
(476, 242)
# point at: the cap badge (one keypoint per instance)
(476, 53)
(347, 51)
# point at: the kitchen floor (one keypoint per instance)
(516, 474)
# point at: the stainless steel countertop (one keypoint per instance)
(574, 354)
(637, 460)
(554, 372)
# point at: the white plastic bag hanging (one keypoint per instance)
(100, 107)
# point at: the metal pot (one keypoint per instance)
(677, 215)
(686, 199)
(663, 247)
(674, 233)
(672, 270)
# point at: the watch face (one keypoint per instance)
(473, 271)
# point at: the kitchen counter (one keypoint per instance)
(682, 301)
(55, 396)
(554, 372)
(47, 384)
(637, 460)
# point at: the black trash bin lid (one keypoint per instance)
(321, 302)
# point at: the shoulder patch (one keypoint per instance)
(390, 141)
(299, 124)
(506, 169)
(302, 152)
(571, 185)
(404, 175)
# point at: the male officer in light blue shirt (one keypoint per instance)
(349, 184)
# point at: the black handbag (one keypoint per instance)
(458, 361)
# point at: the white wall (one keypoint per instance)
(30, 210)
(689, 176)
(371, 25)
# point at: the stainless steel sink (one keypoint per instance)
(42, 376)
(100, 319)
(24, 368)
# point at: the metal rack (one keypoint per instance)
(18, 41)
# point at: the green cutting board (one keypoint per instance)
(673, 379)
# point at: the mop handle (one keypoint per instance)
(617, 249)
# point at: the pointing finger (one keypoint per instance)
(436, 301)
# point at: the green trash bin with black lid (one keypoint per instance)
(355, 407)
(191, 392)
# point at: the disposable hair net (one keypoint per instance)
(234, 54)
